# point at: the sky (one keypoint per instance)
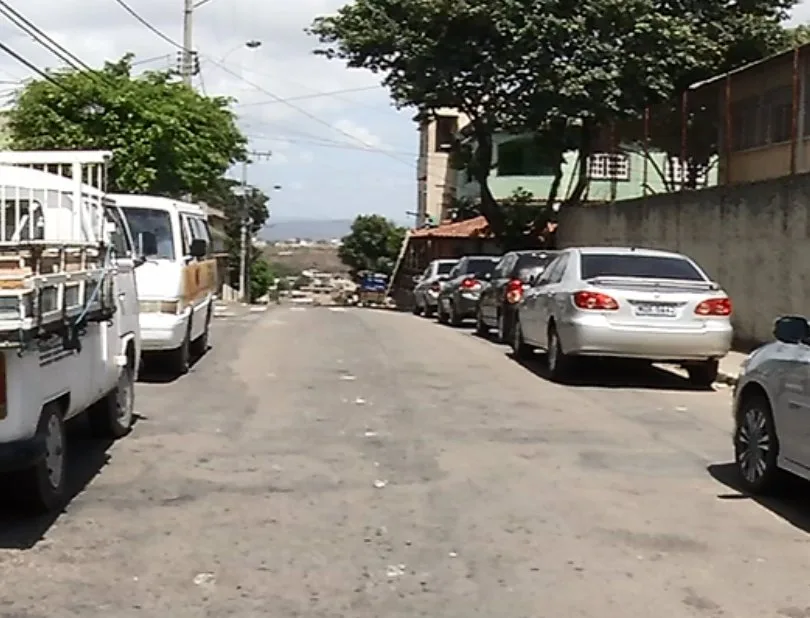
(337, 147)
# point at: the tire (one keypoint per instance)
(503, 327)
(441, 316)
(417, 310)
(428, 312)
(43, 487)
(180, 359)
(112, 417)
(520, 349)
(481, 328)
(200, 345)
(455, 320)
(559, 363)
(756, 446)
(703, 374)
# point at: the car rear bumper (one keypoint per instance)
(467, 305)
(594, 336)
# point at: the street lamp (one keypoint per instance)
(251, 44)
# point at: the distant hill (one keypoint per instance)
(311, 229)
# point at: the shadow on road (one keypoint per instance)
(791, 502)
(154, 370)
(19, 529)
(614, 373)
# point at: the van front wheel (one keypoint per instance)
(180, 359)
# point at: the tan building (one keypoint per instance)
(763, 117)
(436, 179)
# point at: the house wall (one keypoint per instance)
(435, 179)
(772, 160)
(599, 190)
(753, 239)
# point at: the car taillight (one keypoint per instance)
(714, 306)
(514, 291)
(435, 286)
(595, 301)
(470, 284)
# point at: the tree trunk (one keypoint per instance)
(585, 148)
(481, 166)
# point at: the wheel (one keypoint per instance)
(428, 312)
(417, 310)
(180, 359)
(756, 446)
(703, 374)
(455, 320)
(520, 349)
(441, 315)
(503, 329)
(200, 345)
(43, 487)
(112, 416)
(559, 363)
(481, 328)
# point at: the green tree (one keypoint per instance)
(261, 278)
(167, 139)
(559, 69)
(373, 245)
(223, 194)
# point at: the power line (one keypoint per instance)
(273, 96)
(5, 48)
(146, 24)
(302, 97)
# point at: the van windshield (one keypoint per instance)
(157, 222)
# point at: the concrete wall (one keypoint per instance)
(753, 239)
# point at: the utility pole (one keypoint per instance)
(244, 241)
(187, 62)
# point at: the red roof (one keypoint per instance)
(471, 228)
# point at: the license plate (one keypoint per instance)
(656, 311)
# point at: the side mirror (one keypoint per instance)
(198, 248)
(147, 244)
(791, 329)
(417, 278)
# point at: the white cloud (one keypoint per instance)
(357, 134)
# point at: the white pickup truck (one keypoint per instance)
(69, 333)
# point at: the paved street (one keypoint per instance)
(366, 463)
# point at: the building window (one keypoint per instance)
(522, 156)
(759, 121)
(609, 166)
(677, 173)
(446, 129)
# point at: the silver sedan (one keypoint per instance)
(627, 303)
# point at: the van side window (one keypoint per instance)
(199, 231)
(186, 234)
(119, 238)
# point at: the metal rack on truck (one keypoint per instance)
(54, 264)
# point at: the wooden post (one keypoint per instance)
(645, 172)
(728, 126)
(684, 137)
(794, 115)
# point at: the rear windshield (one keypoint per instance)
(445, 267)
(481, 266)
(527, 263)
(641, 266)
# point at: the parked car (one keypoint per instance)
(628, 303)
(458, 297)
(771, 406)
(499, 300)
(428, 284)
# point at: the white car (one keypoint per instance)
(627, 303)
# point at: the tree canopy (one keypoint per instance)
(555, 68)
(373, 245)
(167, 139)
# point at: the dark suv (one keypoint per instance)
(497, 303)
(458, 297)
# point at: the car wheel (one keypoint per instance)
(112, 416)
(703, 374)
(559, 363)
(43, 487)
(417, 310)
(454, 318)
(503, 330)
(441, 314)
(428, 312)
(520, 349)
(481, 328)
(756, 446)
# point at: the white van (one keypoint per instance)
(176, 285)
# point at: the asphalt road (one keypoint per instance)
(365, 463)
